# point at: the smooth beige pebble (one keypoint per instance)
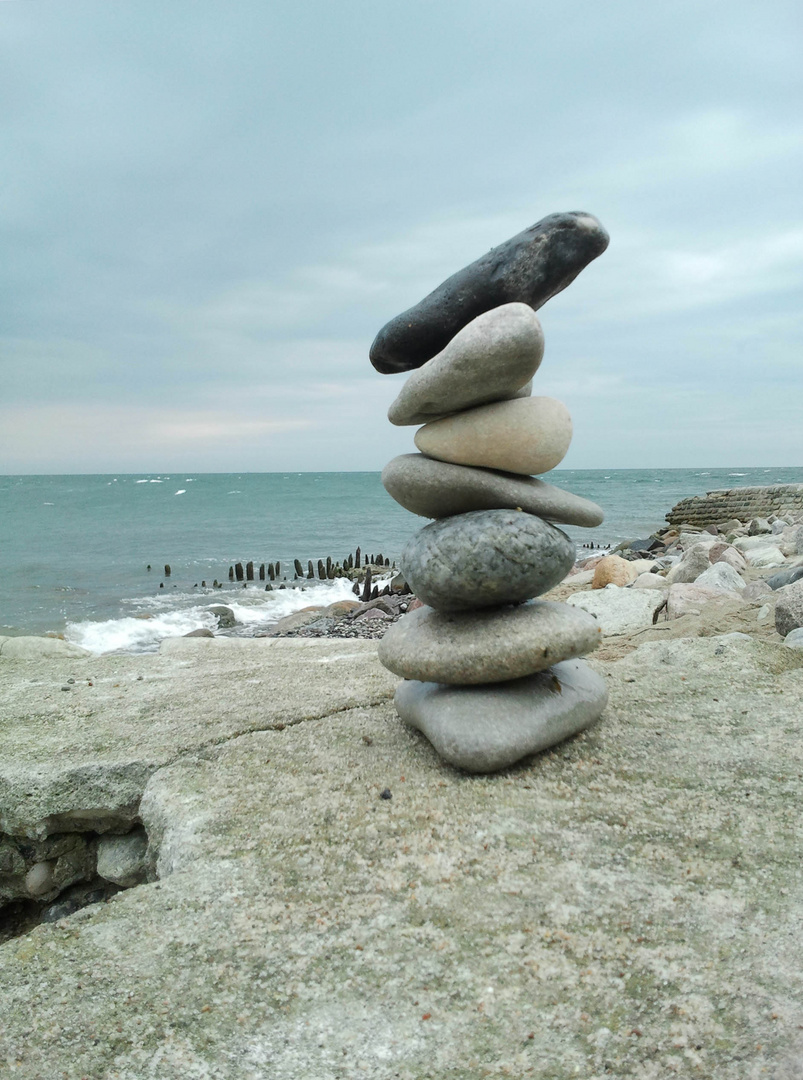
(525, 435)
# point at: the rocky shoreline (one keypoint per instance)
(245, 838)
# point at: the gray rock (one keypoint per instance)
(485, 728)
(40, 648)
(691, 599)
(794, 639)
(225, 616)
(466, 648)
(791, 541)
(529, 268)
(785, 577)
(695, 561)
(485, 559)
(121, 859)
(758, 526)
(296, 621)
(490, 359)
(755, 590)
(721, 578)
(789, 608)
(765, 557)
(620, 610)
(438, 489)
(202, 632)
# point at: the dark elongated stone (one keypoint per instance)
(529, 268)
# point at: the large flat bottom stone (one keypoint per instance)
(485, 728)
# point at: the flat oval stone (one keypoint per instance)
(485, 559)
(485, 728)
(470, 647)
(490, 359)
(526, 435)
(438, 489)
(529, 268)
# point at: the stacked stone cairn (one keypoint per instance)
(491, 673)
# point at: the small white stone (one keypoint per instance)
(39, 879)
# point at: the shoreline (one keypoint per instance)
(287, 910)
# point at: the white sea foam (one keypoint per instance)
(181, 491)
(134, 634)
(173, 614)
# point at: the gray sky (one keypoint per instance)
(209, 209)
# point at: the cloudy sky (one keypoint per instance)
(209, 209)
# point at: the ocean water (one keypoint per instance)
(75, 550)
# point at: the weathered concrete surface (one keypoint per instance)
(81, 758)
(626, 905)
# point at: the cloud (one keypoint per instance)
(209, 212)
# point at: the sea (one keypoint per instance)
(85, 556)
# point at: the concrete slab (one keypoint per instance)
(628, 904)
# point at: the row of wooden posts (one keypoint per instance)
(327, 571)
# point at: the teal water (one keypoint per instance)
(74, 550)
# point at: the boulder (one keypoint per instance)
(490, 359)
(758, 527)
(486, 728)
(721, 578)
(438, 489)
(529, 268)
(613, 570)
(689, 599)
(756, 590)
(765, 556)
(341, 607)
(751, 543)
(787, 576)
(791, 540)
(789, 608)
(694, 562)
(650, 581)
(297, 620)
(525, 435)
(794, 639)
(620, 611)
(466, 648)
(225, 616)
(728, 554)
(38, 648)
(729, 526)
(485, 559)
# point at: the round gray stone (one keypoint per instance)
(438, 489)
(530, 268)
(485, 559)
(788, 576)
(470, 647)
(789, 608)
(490, 359)
(485, 728)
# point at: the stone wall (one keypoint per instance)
(743, 503)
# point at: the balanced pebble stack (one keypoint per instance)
(491, 673)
